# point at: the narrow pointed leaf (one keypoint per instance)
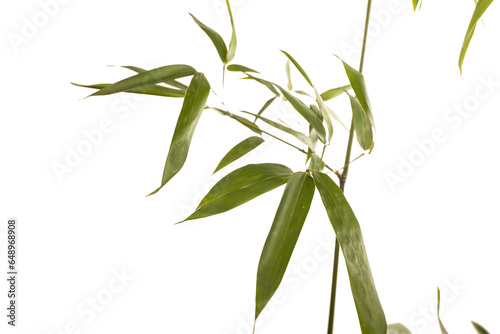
(217, 40)
(361, 123)
(358, 85)
(283, 236)
(301, 92)
(194, 104)
(415, 4)
(299, 135)
(370, 313)
(242, 120)
(319, 100)
(264, 107)
(173, 83)
(334, 115)
(241, 186)
(148, 78)
(441, 326)
(240, 68)
(397, 329)
(479, 329)
(316, 163)
(481, 7)
(238, 151)
(334, 92)
(233, 42)
(288, 76)
(149, 90)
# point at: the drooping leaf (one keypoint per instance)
(217, 40)
(238, 151)
(173, 83)
(242, 120)
(415, 4)
(241, 186)
(148, 78)
(334, 92)
(397, 329)
(319, 100)
(334, 115)
(266, 83)
(481, 7)
(283, 236)
(194, 103)
(233, 42)
(370, 313)
(441, 326)
(240, 68)
(358, 85)
(479, 329)
(264, 107)
(299, 135)
(361, 123)
(301, 92)
(149, 90)
(288, 76)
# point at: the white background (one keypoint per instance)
(437, 227)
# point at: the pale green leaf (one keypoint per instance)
(481, 7)
(370, 313)
(361, 123)
(263, 82)
(334, 92)
(241, 186)
(233, 42)
(288, 76)
(240, 68)
(217, 40)
(194, 103)
(238, 151)
(242, 120)
(441, 326)
(397, 329)
(148, 78)
(285, 230)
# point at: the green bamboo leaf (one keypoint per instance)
(481, 7)
(301, 92)
(441, 326)
(358, 85)
(319, 100)
(299, 135)
(397, 329)
(238, 151)
(173, 83)
(194, 104)
(370, 313)
(217, 40)
(334, 92)
(264, 107)
(241, 186)
(233, 42)
(316, 163)
(280, 242)
(242, 120)
(263, 82)
(148, 78)
(149, 90)
(415, 4)
(288, 76)
(334, 115)
(479, 329)
(240, 68)
(361, 123)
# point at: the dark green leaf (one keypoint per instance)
(242, 120)
(481, 7)
(358, 85)
(361, 123)
(217, 40)
(299, 135)
(232, 43)
(241, 186)
(370, 313)
(240, 68)
(479, 329)
(397, 329)
(264, 107)
(333, 93)
(280, 242)
(441, 326)
(194, 104)
(173, 83)
(238, 151)
(149, 90)
(148, 78)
